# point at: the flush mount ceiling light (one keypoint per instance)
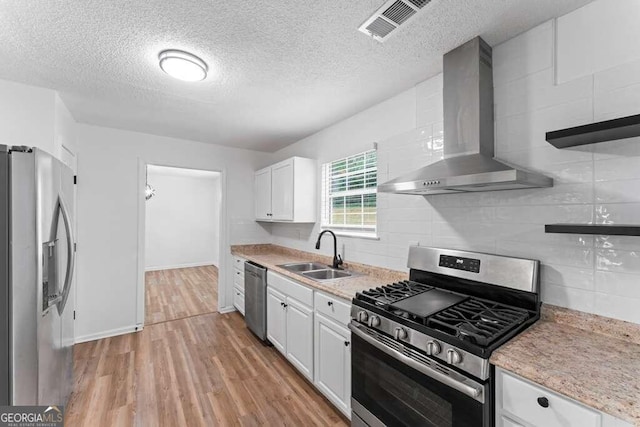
(183, 65)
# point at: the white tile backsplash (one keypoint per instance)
(595, 183)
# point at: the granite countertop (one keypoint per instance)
(591, 359)
(271, 256)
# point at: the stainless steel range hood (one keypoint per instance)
(468, 164)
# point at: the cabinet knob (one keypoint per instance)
(329, 303)
(543, 401)
(346, 343)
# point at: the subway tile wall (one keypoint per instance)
(598, 183)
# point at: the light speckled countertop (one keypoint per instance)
(592, 359)
(271, 256)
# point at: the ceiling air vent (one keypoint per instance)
(390, 17)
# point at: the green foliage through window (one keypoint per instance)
(349, 192)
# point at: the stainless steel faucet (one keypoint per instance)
(337, 259)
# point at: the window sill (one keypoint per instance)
(356, 234)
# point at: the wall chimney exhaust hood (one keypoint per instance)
(468, 164)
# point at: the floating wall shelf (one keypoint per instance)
(624, 127)
(603, 229)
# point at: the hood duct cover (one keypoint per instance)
(468, 164)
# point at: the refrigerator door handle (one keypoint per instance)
(49, 275)
(71, 254)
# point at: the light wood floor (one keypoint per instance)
(179, 293)
(206, 370)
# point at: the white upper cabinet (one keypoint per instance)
(263, 194)
(286, 191)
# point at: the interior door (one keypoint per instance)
(300, 336)
(276, 319)
(263, 194)
(282, 191)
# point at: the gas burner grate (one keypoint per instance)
(386, 295)
(478, 321)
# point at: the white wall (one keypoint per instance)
(182, 218)
(35, 117)
(110, 165)
(598, 183)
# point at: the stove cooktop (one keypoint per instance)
(474, 321)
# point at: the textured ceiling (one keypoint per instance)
(280, 70)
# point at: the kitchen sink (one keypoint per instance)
(317, 271)
(304, 266)
(327, 274)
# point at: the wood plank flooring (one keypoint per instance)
(179, 293)
(207, 370)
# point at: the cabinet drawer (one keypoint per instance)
(238, 300)
(290, 288)
(333, 307)
(238, 279)
(238, 262)
(525, 401)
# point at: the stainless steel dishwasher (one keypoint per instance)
(255, 299)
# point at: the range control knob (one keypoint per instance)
(400, 333)
(453, 357)
(374, 321)
(433, 348)
(362, 316)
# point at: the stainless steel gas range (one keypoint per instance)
(421, 348)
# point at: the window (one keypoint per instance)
(349, 188)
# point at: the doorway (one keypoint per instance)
(182, 241)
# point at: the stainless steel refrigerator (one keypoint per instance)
(37, 255)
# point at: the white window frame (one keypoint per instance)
(363, 231)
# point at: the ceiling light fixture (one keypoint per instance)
(183, 65)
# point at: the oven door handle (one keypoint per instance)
(471, 391)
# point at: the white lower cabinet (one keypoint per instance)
(290, 330)
(521, 403)
(276, 319)
(300, 336)
(333, 362)
(309, 328)
(238, 299)
(238, 283)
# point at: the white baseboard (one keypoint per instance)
(172, 267)
(227, 309)
(107, 334)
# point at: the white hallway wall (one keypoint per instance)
(597, 183)
(108, 226)
(182, 219)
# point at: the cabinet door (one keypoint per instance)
(300, 336)
(276, 319)
(263, 194)
(282, 190)
(238, 300)
(333, 362)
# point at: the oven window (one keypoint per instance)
(400, 396)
